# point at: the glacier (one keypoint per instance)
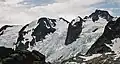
(53, 45)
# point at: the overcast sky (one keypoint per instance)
(24, 11)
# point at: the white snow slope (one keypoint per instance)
(10, 35)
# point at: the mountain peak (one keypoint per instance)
(100, 14)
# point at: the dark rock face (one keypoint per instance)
(4, 28)
(22, 33)
(2, 33)
(45, 27)
(64, 20)
(21, 38)
(24, 57)
(86, 17)
(101, 13)
(95, 30)
(74, 30)
(111, 31)
(5, 51)
(21, 55)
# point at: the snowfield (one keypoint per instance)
(53, 47)
(10, 36)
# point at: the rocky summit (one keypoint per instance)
(93, 39)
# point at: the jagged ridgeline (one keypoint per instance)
(59, 41)
(46, 26)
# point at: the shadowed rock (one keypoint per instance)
(111, 31)
(24, 57)
(19, 44)
(4, 28)
(45, 27)
(74, 30)
(101, 13)
(64, 20)
(21, 34)
(5, 51)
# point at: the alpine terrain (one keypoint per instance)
(94, 39)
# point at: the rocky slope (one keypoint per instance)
(9, 56)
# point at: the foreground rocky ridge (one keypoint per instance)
(107, 58)
(10, 56)
(59, 39)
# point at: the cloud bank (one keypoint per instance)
(25, 11)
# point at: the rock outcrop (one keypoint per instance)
(4, 28)
(100, 13)
(9, 56)
(74, 30)
(45, 26)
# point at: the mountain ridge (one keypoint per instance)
(59, 39)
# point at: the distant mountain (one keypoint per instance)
(100, 14)
(60, 40)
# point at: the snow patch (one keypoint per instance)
(90, 57)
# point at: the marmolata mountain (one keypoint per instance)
(93, 39)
